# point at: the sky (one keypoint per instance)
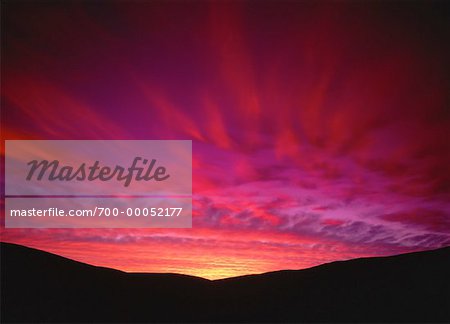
(320, 130)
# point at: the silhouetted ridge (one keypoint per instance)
(41, 287)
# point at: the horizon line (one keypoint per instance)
(225, 278)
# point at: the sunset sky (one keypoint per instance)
(320, 130)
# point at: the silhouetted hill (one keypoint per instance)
(42, 287)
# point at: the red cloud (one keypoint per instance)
(432, 220)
